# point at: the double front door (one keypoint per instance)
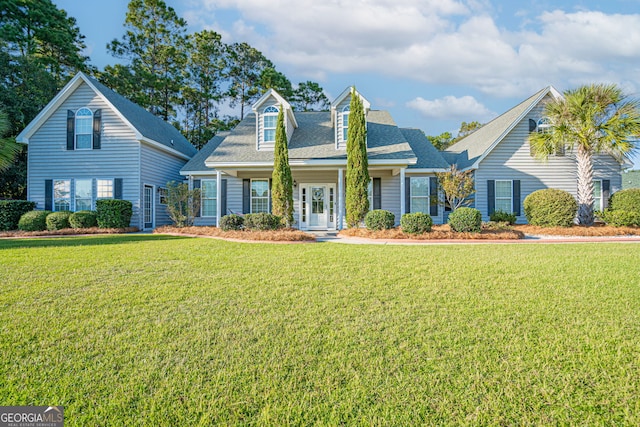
(318, 206)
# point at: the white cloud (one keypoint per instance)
(451, 107)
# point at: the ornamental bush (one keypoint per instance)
(33, 221)
(466, 220)
(262, 221)
(83, 219)
(626, 200)
(550, 208)
(113, 213)
(11, 211)
(58, 220)
(502, 216)
(379, 219)
(231, 222)
(416, 223)
(620, 217)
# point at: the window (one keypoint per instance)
(504, 197)
(345, 122)
(62, 195)
(370, 193)
(597, 195)
(84, 194)
(259, 195)
(164, 195)
(208, 197)
(419, 191)
(84, 129)
(270, 118)
(105, 188)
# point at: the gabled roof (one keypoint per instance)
(428, 156)
(470, 150)
(196, 164)
(281, 101)
(345, 93)
(147, 127)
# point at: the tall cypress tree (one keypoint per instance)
(281, 181)
(357, 200)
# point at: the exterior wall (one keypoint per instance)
(118, 157)
(437, 219)
(234, 198)
(260, 124)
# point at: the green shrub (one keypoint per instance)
(550, 208)
(416, 223)
(231, 222)
(262, 221)
(58, 220)
(33, 221)
(496, 226)
(626, 200)
(11, 211)
(620, 217)
(113, 213)
(379, 219)
(83, 219)
(502, 216)
(466, 220)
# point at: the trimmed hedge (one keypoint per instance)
(620, 218)
(466, 220)
(379, 219)
(262, 221)
(11, 211)
(58, 220)
(33, 221)
(416, 223)
(83, 219)
(231, 222)
(502, 216)
(626, 200)
(113, 213)
(550, 208)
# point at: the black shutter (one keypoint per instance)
(377, 193)
(246, 196)
(223, 195)
(71, 131)
(491, 196)
(516, 197)
(48, 194)
(97, 124)
(269, 196)
(433, 196)
(532, 125)
(196, 185)
(407, 195)
(606, 193)
(117, 188)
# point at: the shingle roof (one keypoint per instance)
(428, 156)
(471, 148)
(196, 164)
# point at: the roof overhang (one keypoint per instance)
(310, 163)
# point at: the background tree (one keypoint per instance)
(441, 141)
(592, 119)
(245, 66)
(8, 146)
(309, 96)
(281, 180)
(467, 129)
(455, 187)
(357, 200)
(270, 78)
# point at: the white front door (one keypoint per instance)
(317, 204)
(147, 208)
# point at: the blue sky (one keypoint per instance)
(431, 63)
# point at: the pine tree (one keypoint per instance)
(281, 181)
(357, 200)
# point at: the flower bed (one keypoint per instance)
(283, 235)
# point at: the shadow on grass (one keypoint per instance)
(70, 241)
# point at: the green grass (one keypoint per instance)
(153, 330)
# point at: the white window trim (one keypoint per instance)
(113, 188)
(75, 130)
(344, 130)
(495, 194)
(251, 197)
(428, 196)
(203, 198)
(163, 193)
(53, 194)
(265, 114)
(601, 199)
(75, 193)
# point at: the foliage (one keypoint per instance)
(112, 213)
(455, 187)
(416, 223)
(467, 220)
(8, 146)
(550, 208)
(441, 141)
(11, 211)
(467, 129)
(83, 219)
(270, 78)
(182, 204)
(309, 96)
(33, 221)
(379, 219)
(502, 216)
(628, 200)
(592, 119)
(630, 179)
(231, 222)
(58, 220)
(262, 221)
(357, 176)
(620, 217)
(497, 225)
(13, 181)
(282, 182)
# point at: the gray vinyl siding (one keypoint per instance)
(260, 124)
(118, 157)
(157, 169)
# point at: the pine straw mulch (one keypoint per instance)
(68, 232)
(284, 235)
(597, 230)
(438, 232)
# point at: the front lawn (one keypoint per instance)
(160, 330)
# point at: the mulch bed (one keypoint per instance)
(68, 232)
(284, 235)
(438, 232)
(597, 230)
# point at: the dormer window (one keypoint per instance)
(270, 118)
(345, 122)
(544, 125)
(84, 129)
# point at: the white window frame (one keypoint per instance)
(345, 122)
(427, 197)
(252, 197)
(98, 188)
(496, 198)
(75, 193)
(543, 125)
(207, 198)
(271, 112)
(370, 193)
(82, 118)
(597, 202)
(56, 199)
(163, 195)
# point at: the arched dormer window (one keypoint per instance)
(544, 125)
(84, 129)
(270, 118)
(345, 122)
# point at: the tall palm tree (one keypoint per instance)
(8, 147)
(592, 119)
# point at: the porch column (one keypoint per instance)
(218, 197)
(402, 192)
(340, 197)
